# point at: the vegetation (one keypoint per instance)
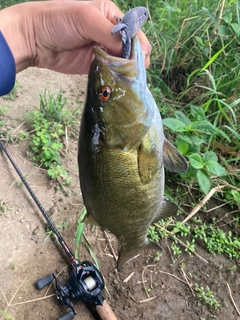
(49, 123)
(194, 77)
(206, 296)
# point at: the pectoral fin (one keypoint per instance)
(148, 160)
(167, 209)
(172, 158)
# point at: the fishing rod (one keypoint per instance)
(85, 282)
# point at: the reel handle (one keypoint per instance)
(68, 316)
(41, 283)
(105, 312)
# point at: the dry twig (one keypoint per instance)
(128, 278)
(150, 298)
(230, 293)
(143, 281)
(187, 280)
(33, 300)
(14, 295)
(202, 203)
(110, 246)
(172, 275)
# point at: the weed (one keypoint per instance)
(148, 290)
(12, 266)
(152, 234)
(195, 66)
(3, 207)
(49, 122)
(6, 315)
(157, 257)
(206, 296)
(181, 229)
(3, 130)
(218, 241)
(56, 171)
(79, 232)
(23, 135)
(45, 143)
(176, 248)
(52, 109)
(233, 270)
(49, 233)
(191, 141)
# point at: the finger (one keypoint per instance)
(146, 47)
(100, 31)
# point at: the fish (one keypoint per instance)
(123, 151)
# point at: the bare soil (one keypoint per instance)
(27, 253)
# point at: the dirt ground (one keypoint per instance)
(27, 253)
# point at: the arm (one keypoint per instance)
(7, 67)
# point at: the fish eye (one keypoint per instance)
(104, 94)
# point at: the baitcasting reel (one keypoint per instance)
(85, 283)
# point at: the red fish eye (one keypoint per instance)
(104, 94)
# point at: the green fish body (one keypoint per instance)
(123, 151)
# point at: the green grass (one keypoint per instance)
(205, 296)
(5, 315)
(49, 124)
(3, 207)
(194, 77)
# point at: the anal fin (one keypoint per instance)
(167, 209)
(125, 255)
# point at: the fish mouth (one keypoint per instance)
(126, 67)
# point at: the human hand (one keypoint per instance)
(59, 35)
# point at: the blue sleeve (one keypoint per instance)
(7, 67)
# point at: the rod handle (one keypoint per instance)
(105, 312)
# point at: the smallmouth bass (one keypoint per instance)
(123, 151)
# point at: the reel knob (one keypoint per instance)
(41, 283)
